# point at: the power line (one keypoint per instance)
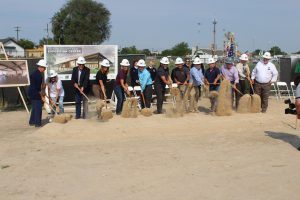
(17, 29)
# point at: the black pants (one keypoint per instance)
(160, 91)
(148, 96)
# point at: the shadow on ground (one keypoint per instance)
(293, 140)
(204, 109)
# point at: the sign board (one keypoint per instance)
(14, 73)
(62, 58)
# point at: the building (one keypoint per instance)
(12, 48)
(35, 53)
(205, 54)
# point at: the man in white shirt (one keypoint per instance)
(263, 75)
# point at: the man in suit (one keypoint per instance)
(81, 83)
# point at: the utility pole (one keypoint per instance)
(214, 32)
(17, 29)
(47, 29)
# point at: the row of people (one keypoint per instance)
(262, 76)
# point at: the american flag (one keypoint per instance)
(231, 51)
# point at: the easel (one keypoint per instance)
(6, 58)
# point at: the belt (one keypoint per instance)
(261, 83)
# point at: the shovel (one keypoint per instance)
(57, 118)
(145, 111)
(255, 101)
(54, 104)
(106, 114)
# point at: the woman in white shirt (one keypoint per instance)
(56, 90)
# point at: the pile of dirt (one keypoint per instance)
(147, 112)
(255, 104)
(100, 104)
(130, 108)
(61, 119)
(244, 104)
(177, 110)
(224, 99)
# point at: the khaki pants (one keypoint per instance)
(263, 90)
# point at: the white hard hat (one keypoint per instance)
(141, 63)
(244, 57)
(178, 61)
(164, 61)
(105, 63)
(42, 63)
(211, 61)
(52, 73)
(197, 61)
(267, 55)
(125, 63)
(81, 60)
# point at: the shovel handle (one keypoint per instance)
(51, 108)
(142, 94)
(82, 93)
(53, 103)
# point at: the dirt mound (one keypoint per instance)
(244, 104)
(224, 100)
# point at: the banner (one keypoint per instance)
(62, 58)
(14, 73)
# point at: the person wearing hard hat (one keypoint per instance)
(81, 82)
(145, 83)
(181, 76)
(229, 72)
(99, 88)
(133, 72)
(35, 94)
(55, 90)
(121, 87)
(263, 75)
(162, 79)
(197, 78)
(244, 73)
(212, 75)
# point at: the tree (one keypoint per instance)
(81, 22)
(276, 51)
(256, 52)
(130, 50)
(166, 52)
(43, 41)
(26, 44)
(181, 49)
(147, 52)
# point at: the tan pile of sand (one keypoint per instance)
(213, 97)
(177, 110)
(255, 104)
(130, 109)
(244, 104)
(224, 99)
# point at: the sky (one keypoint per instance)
(160, 24)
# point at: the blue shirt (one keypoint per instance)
(144, 78)
(196, 76)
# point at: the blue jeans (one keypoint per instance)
(36, 113)
(119, 91)
(60, 103)
(78, 99)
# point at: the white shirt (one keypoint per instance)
(243, 70)
(264, 73)
(53, 87)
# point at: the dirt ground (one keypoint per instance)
(198, 156)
